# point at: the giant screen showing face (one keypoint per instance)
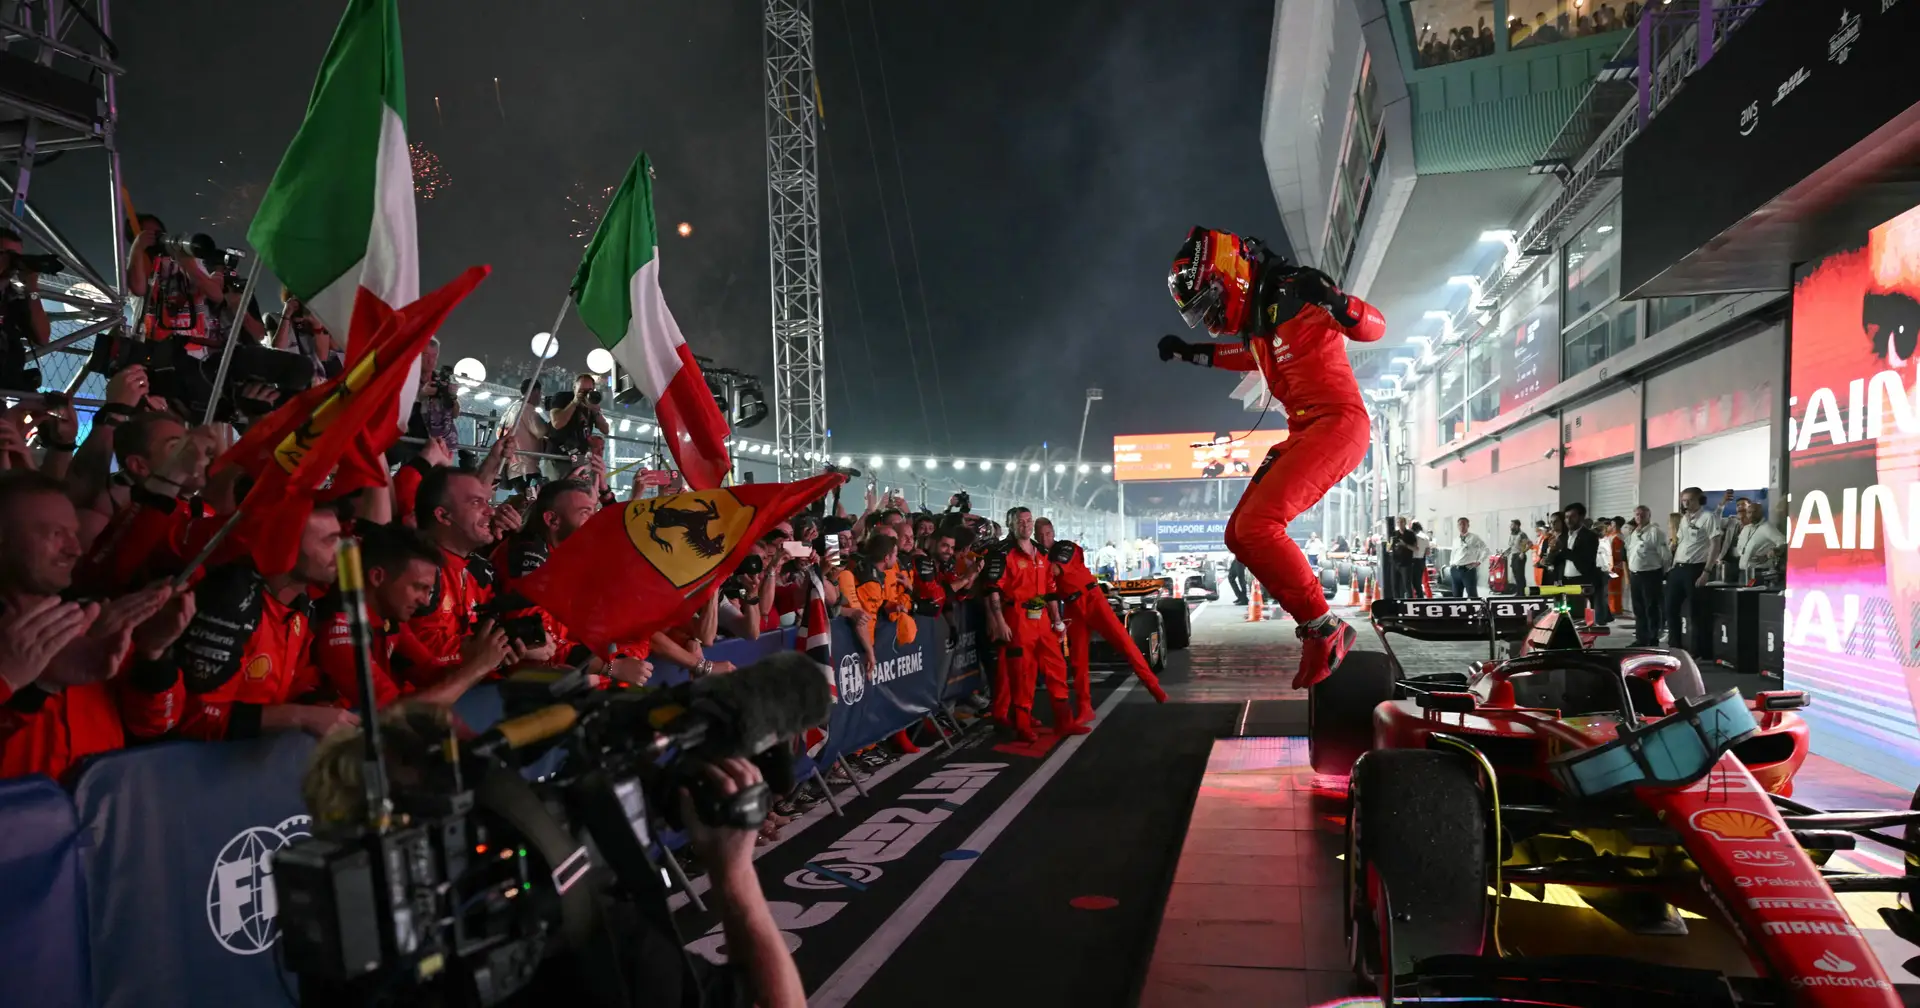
(1853, 562)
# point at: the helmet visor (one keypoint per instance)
(1205, 306)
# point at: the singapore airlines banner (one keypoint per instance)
(1853, 564)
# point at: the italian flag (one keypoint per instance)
(336, 225)
(617, 290)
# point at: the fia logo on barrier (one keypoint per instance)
(241, 906)
(853, 680)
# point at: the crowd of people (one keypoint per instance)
(1435, 47)
(1628, 565)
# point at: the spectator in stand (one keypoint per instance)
(1470, 554)
(1647, 557)
(244, 664)
(56, 703)
(402, 571)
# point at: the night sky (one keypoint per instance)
(1052, 155)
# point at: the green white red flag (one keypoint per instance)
(337, 222)
(617, 291)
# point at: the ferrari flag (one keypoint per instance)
(336, 224)
(649, 563)
(617, 289)
(293, 450)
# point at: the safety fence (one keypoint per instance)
(152, 882)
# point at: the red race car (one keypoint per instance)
(1637, 833)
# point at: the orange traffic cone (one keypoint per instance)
(1257, 604)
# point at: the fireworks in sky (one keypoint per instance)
(429, 178)
(585, 204)
(227, 199)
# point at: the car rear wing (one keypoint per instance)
(1134, 587)
(1489, 619)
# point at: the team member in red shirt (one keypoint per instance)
(401, 571)
(56, 705)
(1018, 582)
(243, 665)
(454, 511)
(1292, 324)
(1083, 602)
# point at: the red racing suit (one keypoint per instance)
(1304, 362)
(1083, 601)
(1023, 581)
(244, 651)
(464, 583)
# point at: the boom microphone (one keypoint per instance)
(745, 712)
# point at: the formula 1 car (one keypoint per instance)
(1155, 617)
(1638, 834)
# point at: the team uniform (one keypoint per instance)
(1083, 601)
(465, 582)
(243, 651)
(1293, 326)
(1023, 583)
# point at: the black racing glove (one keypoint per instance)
(1192, 353)
(1314, 287)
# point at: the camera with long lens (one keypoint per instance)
(44, 263)
(473, 885)
(195, 246)
(960, 502)
(230, 260)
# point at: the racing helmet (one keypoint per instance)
(1212, 280)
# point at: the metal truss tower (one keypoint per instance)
(793, 231)
(58, 72)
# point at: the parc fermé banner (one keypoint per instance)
(904, 684)
(1853, 530)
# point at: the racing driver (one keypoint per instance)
(1292, 323)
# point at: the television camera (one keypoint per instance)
(440, 874)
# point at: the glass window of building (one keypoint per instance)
(1598, 337)
(1591, 265)
(1449, 31)
(1483, 376)
(1353, 180)
(1663, 312)
(1450, 399)
(1544, 22)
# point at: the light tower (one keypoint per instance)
(793, 231)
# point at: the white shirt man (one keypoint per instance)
(1699, 529)
(1647, 549)
(1756, 537)
(1699, 542)
(1470, 552)
(1314, 548)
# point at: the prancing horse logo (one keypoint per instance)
(687, 535)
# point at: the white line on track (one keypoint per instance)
(1197, 610)
(853, 974)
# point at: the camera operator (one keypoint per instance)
(23, 318)
(188, 300)
(401, 572)
(304, 333)
(437, 405)
(573, 417)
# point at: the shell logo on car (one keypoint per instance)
(1735, 824)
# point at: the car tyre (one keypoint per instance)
(1340, 709)
(1144, 626)
(1417, 843)
(1176, 623)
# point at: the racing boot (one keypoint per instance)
(1023, 726)
(1063, 721)
(1152, 683)
(1323, 642)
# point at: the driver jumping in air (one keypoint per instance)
(1292, 324)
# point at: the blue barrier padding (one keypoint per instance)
(43, 897)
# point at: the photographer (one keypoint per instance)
(572, 419)
(186, 301)
(23, 318)
(302, 332)
(437, 405)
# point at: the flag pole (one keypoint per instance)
(206, 552)
(234, 333)
(539, 363)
